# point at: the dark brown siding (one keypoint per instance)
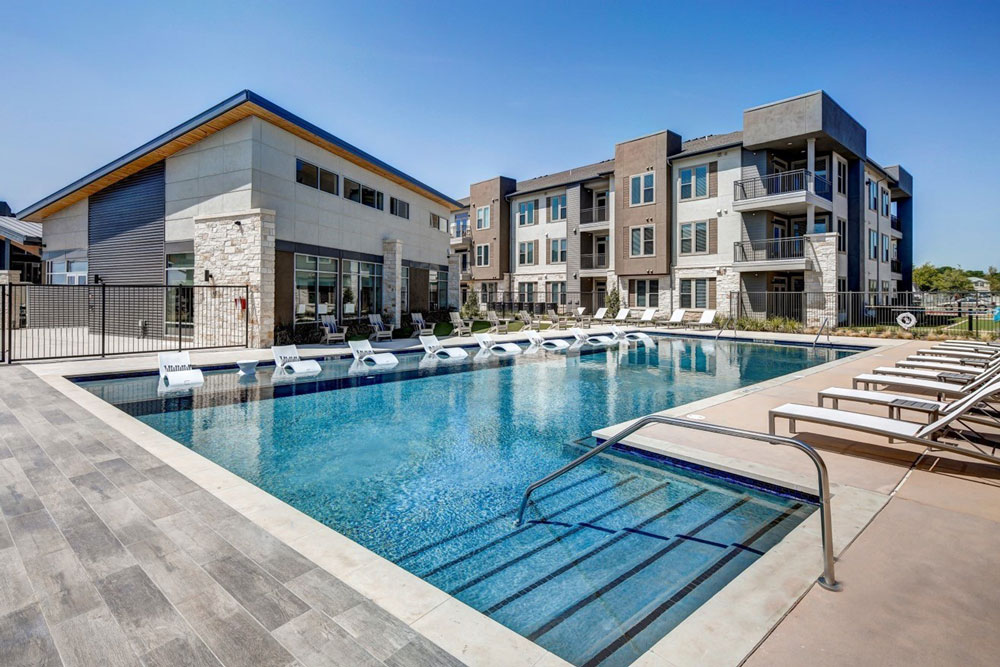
(638, 157)
(713, 235)
(713, 179)
(284, 288)
(492, 193)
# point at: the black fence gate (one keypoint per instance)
(61, 321)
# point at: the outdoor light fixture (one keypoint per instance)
(208, 275)
(238, 223)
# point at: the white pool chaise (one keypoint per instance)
(176, 371)
(552, 344)
(433, 346)
(597, 340)
(286, 357)
(489, 344)
(632, 336)
(365, 354)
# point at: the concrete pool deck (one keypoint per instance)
(81, 569)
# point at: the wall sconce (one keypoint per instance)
(238, 223)
(208, 276)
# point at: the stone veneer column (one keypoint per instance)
(234, 254)
(392, 278)
(454, 281)
(821, 283)
(726, 282)
(573, 203)
(10, 276)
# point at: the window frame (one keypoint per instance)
(557, 208)
(394, 207)
(557, 249)
(483, 217)
(841, 177)
(873, 244)
(841, 235)
(872, 194)
(526, 253)
(649, 294)
(642, 189)
(691, 293)
(522, 212)
(885, 247)
(643, 241)
(693, 226)
(693, 184)
(480, 255)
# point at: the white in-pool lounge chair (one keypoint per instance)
(363, 352)
(707, 320)
(331, 332)
(632, 336)
(461, 328)
(676, 318)
(489, 344)
(896, 429)
(433, 346)
(176, 372)
(286, 357)
(595, 340)
(552, 344)
(420, 325)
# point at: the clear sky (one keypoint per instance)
(458, 92)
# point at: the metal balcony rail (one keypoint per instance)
(461, 233)
(763, 250)
(827, 580)
(896, 224)
(785, 182)
(594, 260)
(896, 266)
(595, 214)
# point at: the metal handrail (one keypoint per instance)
(594, 214)
(826, 320)
(827, 580)
(594, 260)
(780, 183)
(759, 250)
(731, 320)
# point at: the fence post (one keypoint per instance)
(246, 316)
(103, 315)
(177, 314)
(4, 356)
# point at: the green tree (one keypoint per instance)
(470, 309)
(924, 277)
(613, 301)
(993, 276)
(952, 280)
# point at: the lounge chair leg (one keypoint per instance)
(791, 426)
(770, 423)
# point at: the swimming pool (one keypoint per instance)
(425, 465)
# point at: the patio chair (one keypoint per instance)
(646, 319)
(420, 325)
(433, 346)
(632, 336)
(552, 344)
(176, 371)
(530, 321)
(489, 344)
(496, 324)
(940, 388)
(558, 321)
(461, 328)
(365, 354)
(896, 403)
(331, 332)
(600, 315)
(955, 367)
(594, 340)
(582, 318)
(287, 359)
(676, 318)
(622, 316)
(706, 321)
(927, 435)
(379, 330)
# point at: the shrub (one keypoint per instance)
(613, 301)
(470, 308)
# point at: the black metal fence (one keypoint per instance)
(959, 314)
(60, 321)
(562, 303)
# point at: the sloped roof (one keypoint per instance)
(20, 231)
(710, 142)
(574, 175)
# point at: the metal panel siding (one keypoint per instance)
(125, 230)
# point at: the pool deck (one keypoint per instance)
(109, 555)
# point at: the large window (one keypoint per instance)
(362, 291)
(841, 235)
(694, 238)
(885, 202)
(315, 177)
(872, 244)
(179, 307)
(557, 251)
(885, 248)
(644, 293)
(488, 293)
(404, 290)
(873, 195)
(641, 189)
(526, 292)
(461, 227)
(72, 272)
(695, 293)
(438, 223)
(557, 208)
(821, 224)
(315, 287)
(642, 244)
(694, 182)
(841, 177)
(483, 217)
(483, 255)
(557, 293)
(437, 285)
(363, 194)
(526, 252)
(526, 213)
(400, 208)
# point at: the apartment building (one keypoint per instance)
(249, 193)
(789, 204)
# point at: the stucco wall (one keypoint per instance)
(66, 229)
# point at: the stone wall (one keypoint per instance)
(392, 273)
(235, 249)
(454, 281)
(822, 279)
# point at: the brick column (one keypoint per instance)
(392, 278)
(454, 281)
(234, 254)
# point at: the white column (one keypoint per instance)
(811, 165)
(810, 219)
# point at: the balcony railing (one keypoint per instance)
(595, 214)
(594, 260)
(461, 233)
(770, 249)
(896, 224)
(782, 183)
(896, 266)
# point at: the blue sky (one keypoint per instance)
(457, 92)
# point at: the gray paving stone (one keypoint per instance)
(172, 482)
(421, 652)
(280, 560)
(40, 471)
(197, 540)
(17, 495)
(15, 588)
(96, 488)
(35, 534)
(317, 641)
(232, 634)
(146, 616)
(381, 633)
(153, 502)
(120, 472)
(94, 638)
(206, 507)
(126, 521)
(262, 595)
(25, 639)
(180, 652)
(172, 569)
(323, 591)
(98, 550)
(62, 586)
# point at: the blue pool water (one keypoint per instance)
(425, 466)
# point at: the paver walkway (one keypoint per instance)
(109, 557)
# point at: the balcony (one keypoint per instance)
(787, 254)
(785, 192)
(461, 238)
(896, 266)
(896, 224)
(593, 261)
(594, 216)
